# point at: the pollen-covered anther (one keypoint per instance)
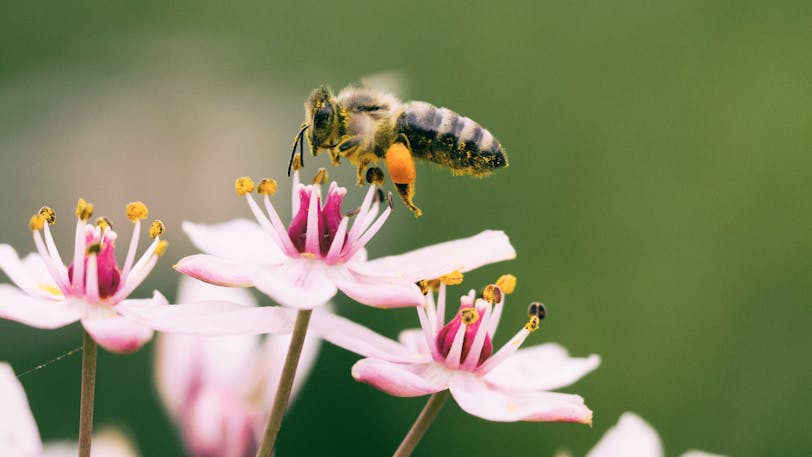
(297, 163)
(533, 324)
(492, 294)
(469, 316)
(267, 187)
(104, 223)
(244, 186)
(375, 176)
(430, 285)
(48, 213)
(157, 228)
(137, 211)
(84, 210)
(389, 200)
(507, 283)
(321, 176)
(94, 248)
(37, 222)
(452, 279)
(537, 312)
(161, 248)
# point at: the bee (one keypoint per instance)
(366, 125)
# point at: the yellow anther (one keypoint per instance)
(37, 222)
(157, 228)
(48, 213)
(137, 211)
(94, 248)
(492, 294)
(104, 223)
(507, 283)
(297, 163)
(452, 279)
(161, 248)
(469, 315)
(84, 210)
(321, 176)
(533, 324)
(375, 176)
(267, 187)
(244, 185)
(430, 285)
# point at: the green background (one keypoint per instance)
(658, 194)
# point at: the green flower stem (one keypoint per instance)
(422, 424)
(89, 350)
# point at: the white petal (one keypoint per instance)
(479, 399)
(695, 453)
(631, 437)
(300, 283)
(415, 340)
(402, 379)
(218, 270)
(270, 360)
(543, 367)
(29, 274)
(108, 443)
(19, 436)
(18, 306)
(238, 239)
(376, 290)
(439, 259)
(115, 332)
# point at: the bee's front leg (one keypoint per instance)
(361, 172)
(335, 159)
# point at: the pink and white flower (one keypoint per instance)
(633, 437)
(505, 385)
(218, 390)
(19, 435)
(304, 264)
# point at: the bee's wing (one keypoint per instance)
(392, 81)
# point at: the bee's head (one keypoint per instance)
(322, 115)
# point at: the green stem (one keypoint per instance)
(280, 401)
(89, 350)
(422, 424)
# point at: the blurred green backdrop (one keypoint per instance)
(658, 193)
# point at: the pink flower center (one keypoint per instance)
(329, 218)
(446, 335)
(108, 271)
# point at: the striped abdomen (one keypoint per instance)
(444, 137)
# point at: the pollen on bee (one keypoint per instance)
(507, 283)
(452, 279)
(244, 185)
(469, 316)
(267, 186)
(137, 211)
(84, 210)
(161, 248)
(104, 223)
(400, 164)
(321, 176)
(48, 213)
(37, 222)
(157, 228)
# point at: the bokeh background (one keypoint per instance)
(658, 194)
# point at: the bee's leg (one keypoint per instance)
(335, 159)
(400, 163)
(361, 173)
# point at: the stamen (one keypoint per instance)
(156, 229)
(428, 285)
(267, 187)
(492, 294)
(104, 223)
(48, 213)
(452, 279)
(537, 312)
(92, 276)
(469, 316)
(160, 249)
(36, 222)
(137, 211)
(297, 163)
(313, 232)
(94, 248)
(353, 212)
(79, 256)
(364, 239)
(455, 352)
(375, 176)
(338, 241)
(275, 228)
(507, 283)
(244, 185)
(84, 210)
(440, 308)
(475, 352)
(428, 334)
(321, 176)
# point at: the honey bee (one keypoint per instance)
(365, 125)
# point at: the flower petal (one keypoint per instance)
(415, 340)
(17, 306)
(379, 291)
(695, 453)
(211, 318)
(300, 283)
(218, 271)
(108, 443)
(356, 338)
(401, 379)
(29, 274)
(238, 239)
(270, 360)
(631, 437)
(543, 367)
(19, 435)
(436, 260)
(501, 405)
(115, 332)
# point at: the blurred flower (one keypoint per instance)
(19, 436)
(507, 385)
(633, 437)
(218, 390)
(305, 264)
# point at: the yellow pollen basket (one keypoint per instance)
(469, 316)
(507, 283)
(84, 210)
(452, 279)
(244, 186)
(37, 222)
(157, 228)
(267, 187)
(321, 176)
(492, 294)
(161, 248)
(48, 213)
(400, 164)
(137, 211)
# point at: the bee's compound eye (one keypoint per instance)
(537, 309)
(322, 115)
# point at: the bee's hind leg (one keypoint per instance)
(400, 163)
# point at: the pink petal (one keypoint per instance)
(436, 260)
(401, 379)
(695, 453)
(238, 239)
(210, 318)
(356, 338)
(380, 291)
(543, 367)
(268, 365)
(218, 270)
(19, 436)
(108, 443)
(29, 274)
(218, 424)
(502, 405)
(300, 283)
(17, 306)
(115, 332)
(631, 437)
(415, 340)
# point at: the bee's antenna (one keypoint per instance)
(300, 142)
